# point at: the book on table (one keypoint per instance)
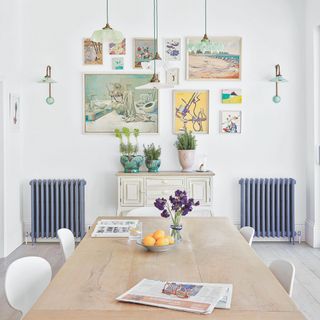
(200, 298)
(106, 228)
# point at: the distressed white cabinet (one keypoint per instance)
(141, 189)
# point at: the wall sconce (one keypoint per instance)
(48, 80)
(278, 78)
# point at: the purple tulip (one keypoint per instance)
(160, 203)
(165, 214)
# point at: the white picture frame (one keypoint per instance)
(173, 76)
(230, 122)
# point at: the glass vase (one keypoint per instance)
(176, 232)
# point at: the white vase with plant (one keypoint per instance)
(186, 144)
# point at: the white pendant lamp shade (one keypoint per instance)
(107, 34)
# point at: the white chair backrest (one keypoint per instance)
(144, 212)
(248, 234)
(284, 271)
(25, 280)
(67, 242)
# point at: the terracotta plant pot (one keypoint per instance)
(186, 159)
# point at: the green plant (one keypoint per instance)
(186, 141)
(128, 148)
(151, 152)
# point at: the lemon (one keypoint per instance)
(162, 242)
(171, 239)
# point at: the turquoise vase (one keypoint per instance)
(131, 164)
(153, 165)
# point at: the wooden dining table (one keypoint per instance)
(212, 251)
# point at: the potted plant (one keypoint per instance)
(129, 159)
(179, 205)
(152, 155)
(186, 144)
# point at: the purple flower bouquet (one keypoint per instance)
(178, 205)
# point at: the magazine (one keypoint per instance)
(113, 228)
(191, 297)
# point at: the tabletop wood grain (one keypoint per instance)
(212, 251)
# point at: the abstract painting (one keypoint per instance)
(172, 76)
(143, 50)
(231, 96)
(220, 59)
(93, 52)
(172, 49)
(117, 63)
(230, 121)
(191, 111)
(113, 101)
(117, 48)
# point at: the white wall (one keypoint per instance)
(273, 139)
(313, 137)
(10, 147)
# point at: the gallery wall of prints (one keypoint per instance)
(240, 125)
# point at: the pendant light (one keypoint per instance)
(205, 40)
(107, 34)
(156, 61)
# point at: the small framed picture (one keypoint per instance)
(231, 96)
(117, 63)
(172, 76)
(230, 122)
(14, 110)
(92, 52)
(172, 49)
(143, 51)
(117, 48)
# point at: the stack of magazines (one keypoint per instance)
(191, 297)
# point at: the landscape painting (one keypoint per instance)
(191, 111)
(172, 49)
(220, 59)
(113, 101)
(143, 50)
(92, 52)
(230, 121)
(117, 48)
(231, 96)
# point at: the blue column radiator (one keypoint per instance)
(57, 204)
(267, 205)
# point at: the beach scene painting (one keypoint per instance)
(220, 59)
(92, 51)
(231, 96)
(113, 101)
(230, 121)
(191, 111)
(143, 50)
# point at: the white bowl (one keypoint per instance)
(156, 248)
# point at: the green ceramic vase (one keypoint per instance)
(153, 165)
(131, 164)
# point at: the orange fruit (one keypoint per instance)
(150, 235)
(149, 241)
(159, 234)
(171, 239)
(162, 242)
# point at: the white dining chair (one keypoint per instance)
(25, 280)
(248, 234)
(67, 242)
(144, 212)
(284, 271)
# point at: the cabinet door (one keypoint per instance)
(199, 190)
(132, 192)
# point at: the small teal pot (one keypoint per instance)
(131, 164)
(153, 165)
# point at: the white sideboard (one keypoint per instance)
(141, 189)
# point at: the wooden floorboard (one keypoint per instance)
(306, 293)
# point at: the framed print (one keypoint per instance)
(143, 51)
(172, 49)
(191, 111)
(117, 48)
(92, 51)
(220, 59)
(14, 110)
(113, 101)
(172, 76)
(230, 122)
(117, 63)
(231, 96)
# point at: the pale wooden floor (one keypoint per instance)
(306, 293)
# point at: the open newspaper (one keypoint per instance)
(113, 228)
(191, 297)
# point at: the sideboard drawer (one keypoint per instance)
(151, 196)
(165, 182)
